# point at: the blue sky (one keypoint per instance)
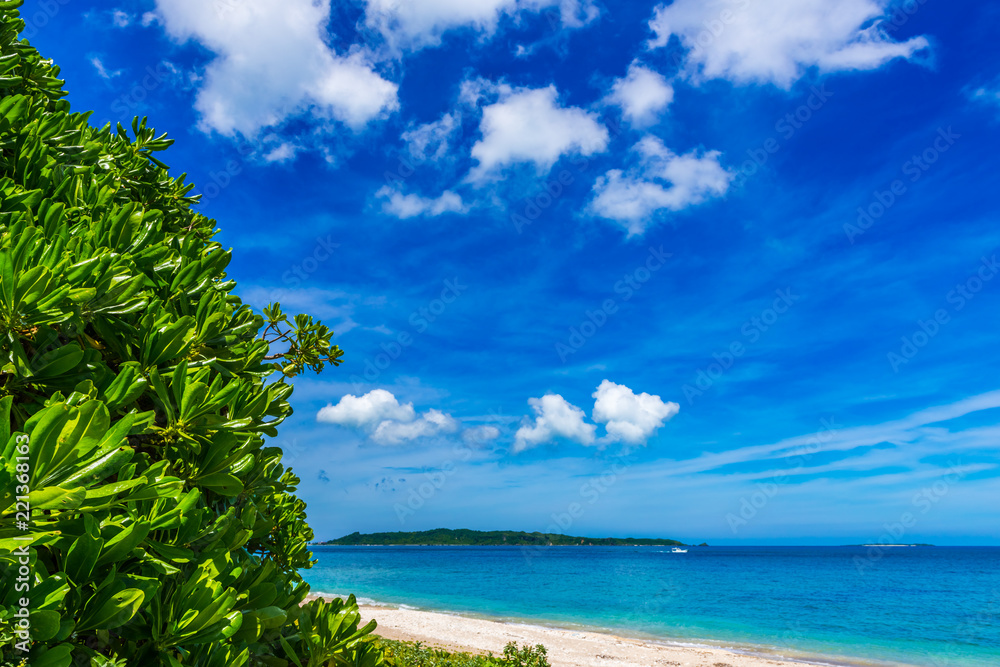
(718, 271)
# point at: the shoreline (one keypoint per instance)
(575, 647)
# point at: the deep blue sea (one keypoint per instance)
(928, 606)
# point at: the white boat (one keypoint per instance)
(676, 550)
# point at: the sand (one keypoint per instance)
(566, 648)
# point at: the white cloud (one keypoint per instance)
(480, 434)
(281, 153)
(121, 19)
(627, 417)
(555, 418)
(472, 91)
(432, 422)
(529, 126)
(272, 62)
(776, 41)
(367, 411)
(419, 23)
(103, 71)
(405, 206)
(387, 421)
(989, 94)
(431, 141)
(642, 95)
(663, 181)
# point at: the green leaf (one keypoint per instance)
(222, 483)
(103, 467)
(271, 617)
(44, 625)
(124, 542)
(57, 498)
(5, 404)
(106, 612)
(82, 557)
(57, 656)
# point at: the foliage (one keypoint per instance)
(444, 537)
(528, 656)
(162, 530)
(413, 654)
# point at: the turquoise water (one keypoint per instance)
(933, 606)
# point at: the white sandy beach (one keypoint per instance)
(566, 648)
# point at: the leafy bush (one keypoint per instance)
(529, 656)
(413, 654)
(163, 530)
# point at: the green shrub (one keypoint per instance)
(163, 530)
(413, 654)
(529, 656)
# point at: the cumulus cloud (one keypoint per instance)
(405, 206)
(272, 62)
(387, 421)
(365, 411)
(529, 126)
(419, 23)
(480, 434)
(627, 417)
(642, 95)
(776, 41)
(555, 418)
(428, 424)
(662, 181)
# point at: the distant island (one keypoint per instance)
(492, 538)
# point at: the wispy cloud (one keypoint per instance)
(103, 71)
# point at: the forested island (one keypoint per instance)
(462, 537)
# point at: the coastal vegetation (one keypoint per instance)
(462, 537)
(414, 654)
(143, 518)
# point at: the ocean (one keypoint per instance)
(927, 606)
